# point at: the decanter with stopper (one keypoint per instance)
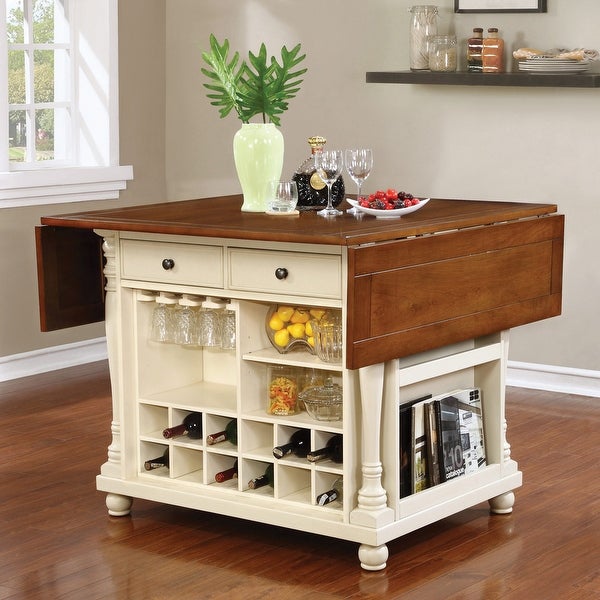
(312, 190)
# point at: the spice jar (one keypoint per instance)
(493, 52)
(423, 25)
(474, 51)
(442, 53)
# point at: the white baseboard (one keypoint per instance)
(52, 359)
(581, 382)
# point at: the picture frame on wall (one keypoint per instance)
(499, 6)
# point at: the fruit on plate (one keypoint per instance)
(291, 326)
(388, 199)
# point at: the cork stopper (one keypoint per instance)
(316, 142)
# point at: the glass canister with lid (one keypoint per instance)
(423, 25)
(442, 53)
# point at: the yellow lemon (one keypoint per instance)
(308, 328)
(282, 337)
(285, 312)
(296, 330)
(300, 315)
(317, 313)
(311, 341)
(275, 323)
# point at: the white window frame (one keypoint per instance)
(97, 174)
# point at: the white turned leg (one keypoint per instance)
(373, 558)
(502, 504)
(372, 509)
(118, 506)
(113, 466)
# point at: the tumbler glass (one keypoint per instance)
(227, 329)
(209, 322)
(163, 318)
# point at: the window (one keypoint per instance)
(59, 98)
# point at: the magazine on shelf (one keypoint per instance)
(431, 428)
(406, 445)
(460, 433)
(420, 475)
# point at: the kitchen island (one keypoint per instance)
(426, 303)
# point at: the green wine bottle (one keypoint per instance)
(267, 479)
(229, 434)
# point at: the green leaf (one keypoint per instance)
(224, 77)
(259, 87)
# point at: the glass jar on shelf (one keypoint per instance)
(282, 390)
(423, 25)
(442, 53)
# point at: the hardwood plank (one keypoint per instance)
(57, 541)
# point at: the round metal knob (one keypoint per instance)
(281, 272)
(168, 264)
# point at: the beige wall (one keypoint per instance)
(142, 85)
(538, 145)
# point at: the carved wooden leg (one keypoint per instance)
(118, 506)
(113, 467)
(373, 558)
(372, 509)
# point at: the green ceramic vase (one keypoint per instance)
(258, 154)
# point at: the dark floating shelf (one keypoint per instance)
(578, 80)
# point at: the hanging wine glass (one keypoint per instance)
(359, 162)
(329, 165)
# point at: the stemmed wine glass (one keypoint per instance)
(329, 165)
(359, 162)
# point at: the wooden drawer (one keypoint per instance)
(305, 274)
(191, 264)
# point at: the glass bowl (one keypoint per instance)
(325, 402)
(290, 327)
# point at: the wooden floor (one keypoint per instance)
(57, 541)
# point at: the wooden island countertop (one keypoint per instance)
(453, 270)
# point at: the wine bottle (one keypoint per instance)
(227, 474)
(266, 479)
(299, 445)
(312, 190)
(229, 433)
(191, 426)
(158, 462)
(333, 450)
(335, 493)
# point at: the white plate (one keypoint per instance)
(388, 214)
(540, 65)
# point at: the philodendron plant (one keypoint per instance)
(260, 87)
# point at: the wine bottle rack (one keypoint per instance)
(207, 380)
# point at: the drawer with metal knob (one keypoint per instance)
(295, 273)
(166, 262)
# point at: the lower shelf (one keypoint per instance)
(328, 521)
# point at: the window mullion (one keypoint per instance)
(4, 130)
